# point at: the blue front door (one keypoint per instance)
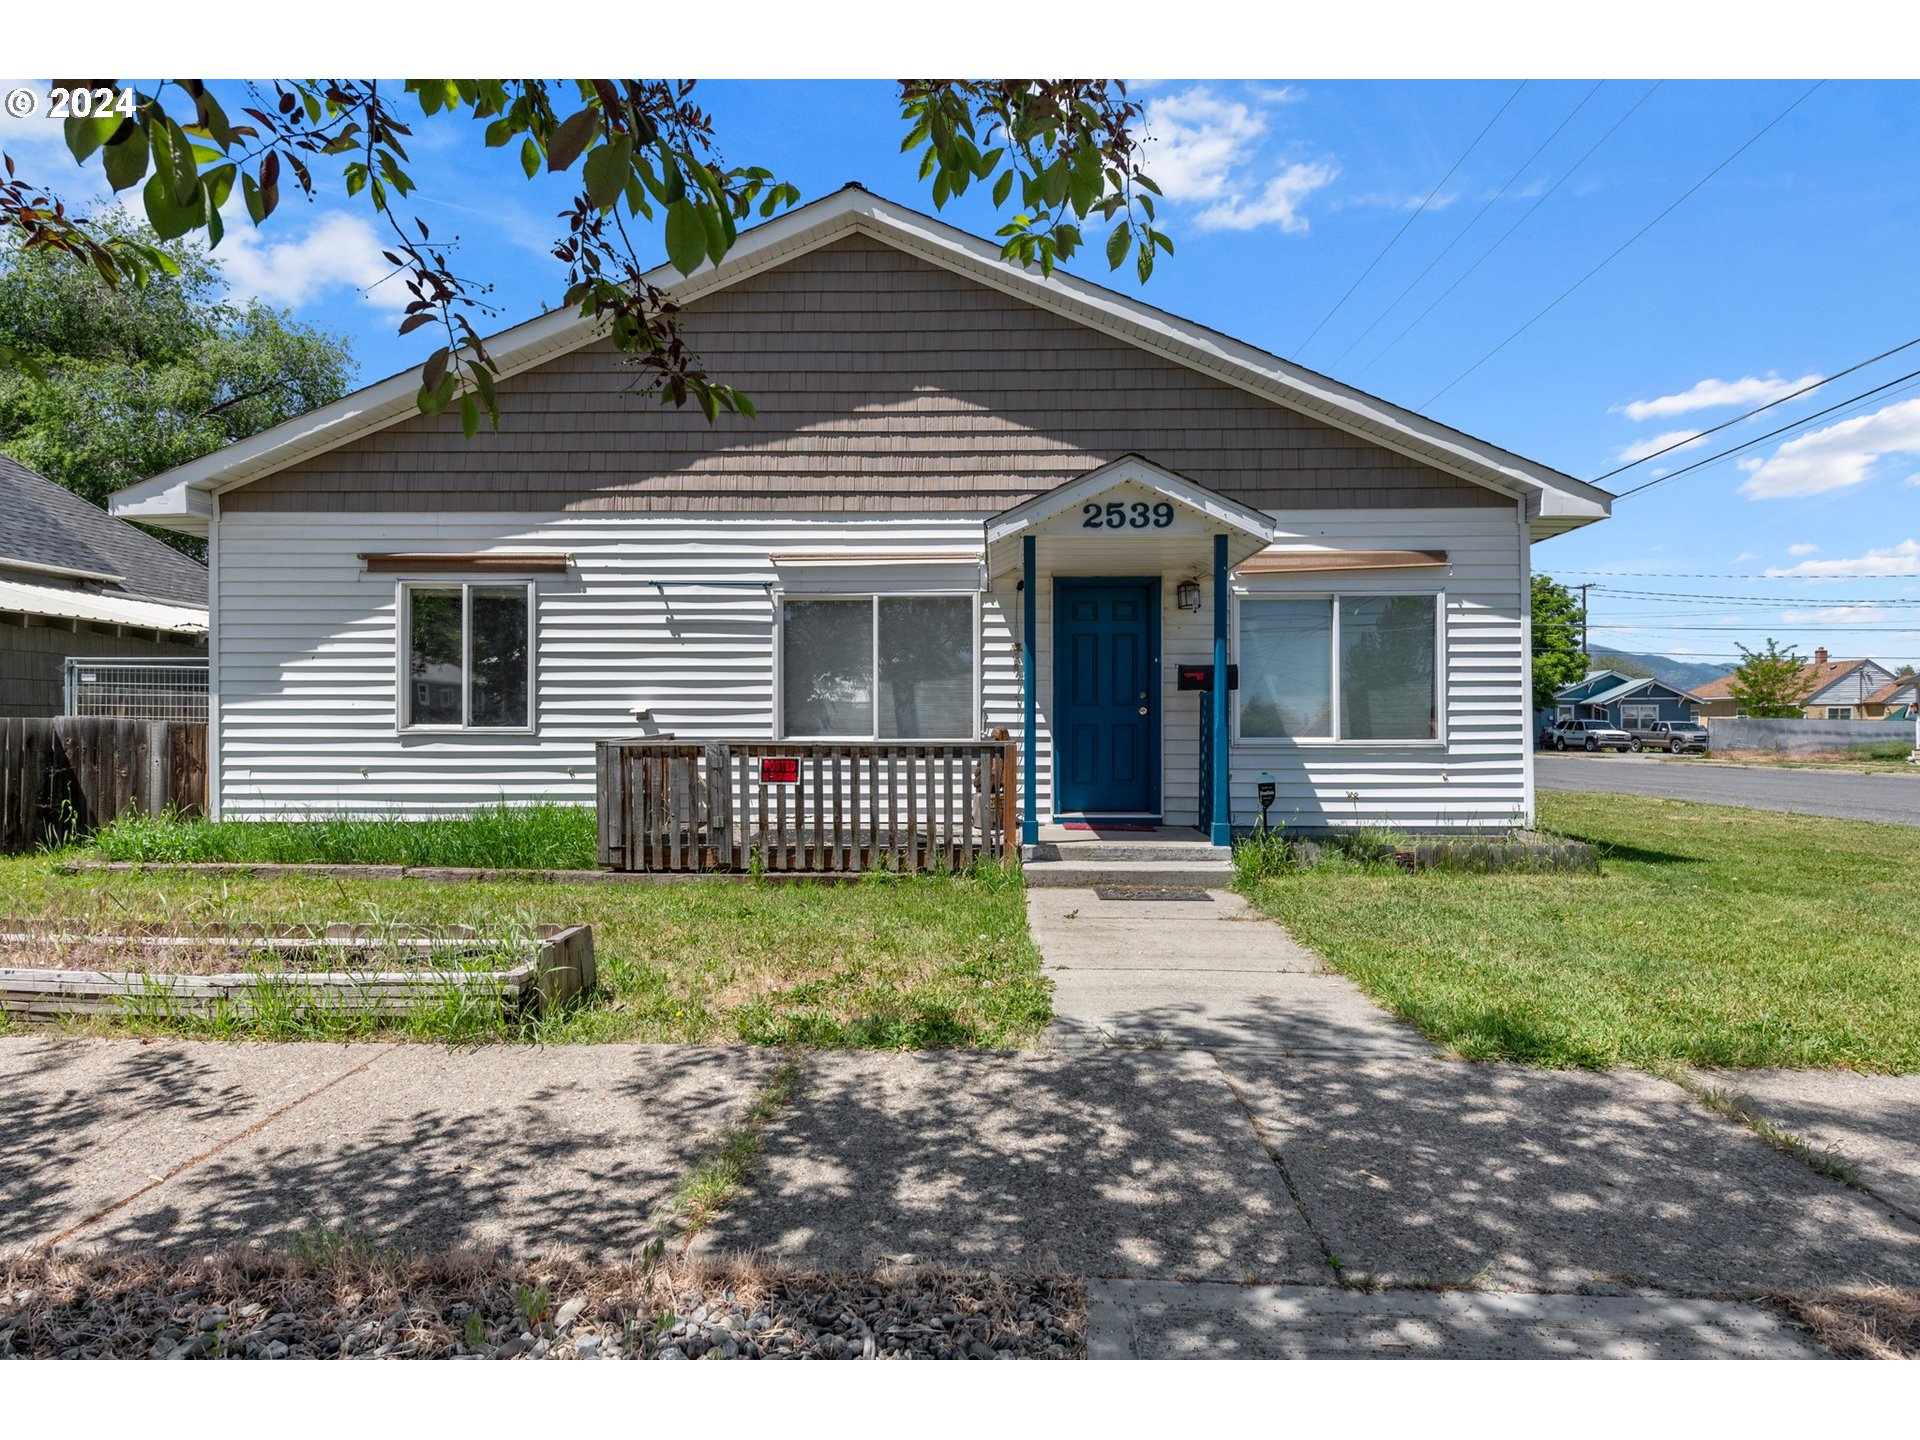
(1107, 697)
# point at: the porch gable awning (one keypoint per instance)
(1201, 510)
(1303, 562)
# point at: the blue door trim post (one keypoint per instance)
(1029, 734)
(1222, 798)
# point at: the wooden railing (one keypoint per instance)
(828, 808)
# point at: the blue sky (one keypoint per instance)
(1795, 261)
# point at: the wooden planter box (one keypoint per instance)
(559, 967)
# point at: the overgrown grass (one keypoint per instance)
(720, 1174)
(893, 962)
(1713, 937)
(504, 837)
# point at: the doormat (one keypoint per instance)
(1093, 825)
(1150, 892)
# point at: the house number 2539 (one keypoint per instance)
(1115, 515)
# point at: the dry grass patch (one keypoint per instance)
(330, 1296)
(1860, 1322)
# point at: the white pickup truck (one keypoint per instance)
(1673, 736)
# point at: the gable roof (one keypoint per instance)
(46, 528)
(1814, 678)
(183, 497)
(1634, 687)
(1893, 689)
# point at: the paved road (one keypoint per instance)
(1890, 799)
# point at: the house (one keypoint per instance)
(1621, 700)
(974, 497)
(1898, 699)
(75, 582)
(1830, 689)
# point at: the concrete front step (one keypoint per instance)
(1078, 874)
(1130, 852)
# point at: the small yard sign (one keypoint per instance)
(779, 770)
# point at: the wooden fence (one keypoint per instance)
(71, 775)
(741, 804)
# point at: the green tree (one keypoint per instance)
(122, 382)
(646, 155)
(1558, 660)
(1769, 684)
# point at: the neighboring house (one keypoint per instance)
(1898, 699)
(1621, 700)
(972, 494)
(74, 581)
(1830, 689)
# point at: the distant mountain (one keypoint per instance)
(1682, 673)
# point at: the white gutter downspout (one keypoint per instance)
(213, 661)
(1526, 660)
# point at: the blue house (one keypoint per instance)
(1620, 700)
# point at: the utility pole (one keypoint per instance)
(1585, 647)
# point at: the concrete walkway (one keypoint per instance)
(1213, 1193)
(1206, 971)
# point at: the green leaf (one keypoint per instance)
(435, 368)
(607, 170)
(489, 397)
(469, 415)
(529, 157)
(1118, 243)
(1002, 188)
(169, 218)
(218, 184)
(715, 231)
(181, 166)
(126, 161)
(570, 138)
(250, 192)
(88, 135)
(686, 237)
(1144, 262)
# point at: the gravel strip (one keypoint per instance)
(350, 1301)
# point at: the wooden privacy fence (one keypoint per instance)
(735, 804)
(71, 775)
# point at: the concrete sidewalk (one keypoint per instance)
(1203, 972)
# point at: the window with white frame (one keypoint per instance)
(1839, 712)
(879, 667)
(1639, 717)
(1563, 712)
(466, 656)
(1340, 667)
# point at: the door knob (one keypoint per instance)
(1143, 709)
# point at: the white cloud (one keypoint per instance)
(1280, 94)
(1200, 149)
(1901, 559)
(1746, 555)
(336, 251)
(1836, 456)
(1712, 394)
(1641, 449)
(1836, 615)
(1277, 204)
(1194, 141)
(1803, 548)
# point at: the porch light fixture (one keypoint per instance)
(1186, 595)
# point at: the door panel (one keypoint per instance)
(1109, 698)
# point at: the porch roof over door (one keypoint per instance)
(1132, 479)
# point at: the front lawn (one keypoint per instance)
(1712, 936)
(889, 962)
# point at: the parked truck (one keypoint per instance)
(1673, 736)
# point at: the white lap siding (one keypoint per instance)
(308, 659)
(1478, 778)
(308, 653)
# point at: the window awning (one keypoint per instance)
(485, 562)
(1298, 562)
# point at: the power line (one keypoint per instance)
(1725, 575)
(1410, 219)
(1624, 245)
(1699, 435)
(1447, 250)
(1748, 444)
(1487, 254)
(1679, 596)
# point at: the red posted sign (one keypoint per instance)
(779, 770)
